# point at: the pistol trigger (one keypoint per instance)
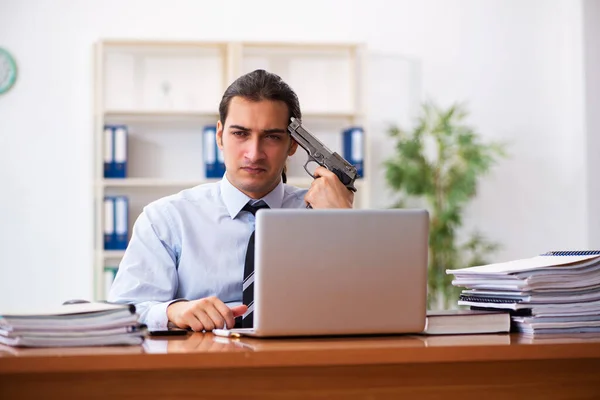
(307, 170)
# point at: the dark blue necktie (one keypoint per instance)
(248, 286)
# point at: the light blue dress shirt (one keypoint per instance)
(191, 245)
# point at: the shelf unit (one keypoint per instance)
(166, 92)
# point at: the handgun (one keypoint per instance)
(320, 154)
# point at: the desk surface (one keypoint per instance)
(205, 366)
(206, 351)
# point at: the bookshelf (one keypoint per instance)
(166, 92)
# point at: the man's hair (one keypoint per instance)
(260, 85)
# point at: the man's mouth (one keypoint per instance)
(253, 170)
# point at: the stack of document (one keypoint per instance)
(558, 292)
(88, 324)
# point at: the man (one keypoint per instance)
(185, 262)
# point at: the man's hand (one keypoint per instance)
(327, 191)
(204, 315)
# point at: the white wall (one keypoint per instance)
(523, 77)
(518, 63)
(591, 32)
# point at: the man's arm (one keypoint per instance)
(147, 275)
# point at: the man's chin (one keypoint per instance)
(256, 186)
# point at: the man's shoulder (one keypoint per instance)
(293, 196)
(200, 194)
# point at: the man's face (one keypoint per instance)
(255, 144)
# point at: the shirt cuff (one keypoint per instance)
(157, 315)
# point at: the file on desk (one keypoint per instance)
(88, 324)
(557, 292)
(459, 322)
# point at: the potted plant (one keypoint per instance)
(437, 166)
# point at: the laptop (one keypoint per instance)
(339, 272)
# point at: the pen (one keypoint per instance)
(226, 333)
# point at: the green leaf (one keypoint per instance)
(446, 185)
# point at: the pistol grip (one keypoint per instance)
(345, 180)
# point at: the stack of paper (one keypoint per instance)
(88, 324)
(551, 293)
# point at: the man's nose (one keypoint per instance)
(254, 149)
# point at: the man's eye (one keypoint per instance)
(239, 133)
(274, 137)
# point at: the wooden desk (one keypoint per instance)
(203, 366)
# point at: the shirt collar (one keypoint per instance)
(235, 200)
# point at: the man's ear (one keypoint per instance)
(219, 136)
(293, 147)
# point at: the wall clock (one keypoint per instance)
(8, 71)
